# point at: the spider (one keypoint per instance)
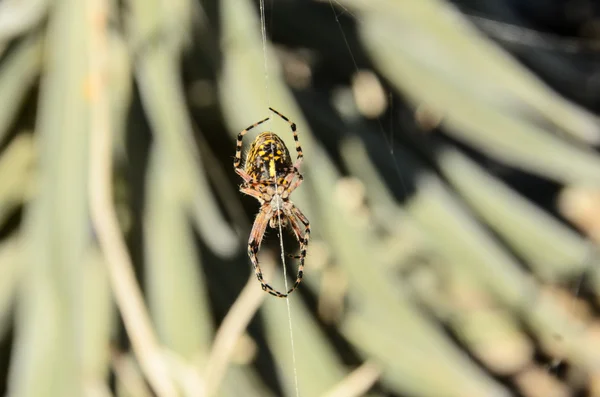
(270, 177)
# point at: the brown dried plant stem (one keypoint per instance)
(127, 294)
(358, 382)
(230, 331)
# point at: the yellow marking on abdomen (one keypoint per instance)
(272, 168)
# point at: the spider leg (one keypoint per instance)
(296, 218)
(293, 183)
(300, 155)
(256, 236)
(252, 192)
(247, 178)
(238, 148)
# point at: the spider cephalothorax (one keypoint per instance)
(270, 177)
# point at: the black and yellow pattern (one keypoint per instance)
(271, 177)
(268, 159)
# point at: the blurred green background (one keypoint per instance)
(452, 180)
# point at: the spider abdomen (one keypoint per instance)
(268, 159)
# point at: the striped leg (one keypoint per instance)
(298, 147)
(251, 191)
(256, 236)
(295, 220)
(292, 185)
(238, 148)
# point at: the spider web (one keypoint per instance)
(502, 32)
(388, 140)
(263, 29)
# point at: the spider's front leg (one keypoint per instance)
(256, 236)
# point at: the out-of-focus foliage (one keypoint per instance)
(452, 181)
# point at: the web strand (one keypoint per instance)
(287, 300)
(263, 29)
(388, 141)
